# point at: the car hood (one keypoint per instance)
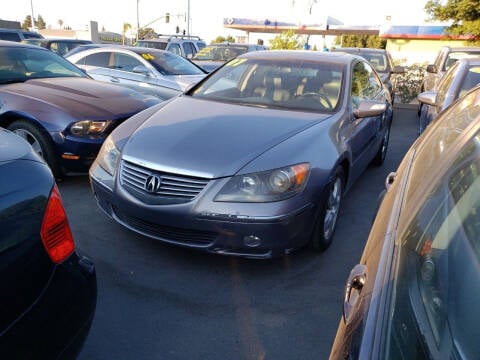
(209, 65)
(211, 139)
(81, 97)
(183, 81)
(12, 147)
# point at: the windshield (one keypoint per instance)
(437, 286)
(167, 63)
(293, 85)
(152, 44)
(18, 64)
(220, 53)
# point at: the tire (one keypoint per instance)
(39, 141)
(327, 218)
(381, 154)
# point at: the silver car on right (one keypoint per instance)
(463, 75)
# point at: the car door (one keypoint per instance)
(365, 133)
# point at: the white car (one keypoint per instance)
(150, 71)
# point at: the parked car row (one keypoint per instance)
(459, 78)
(295, 130)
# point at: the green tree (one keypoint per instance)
(362, 41)
(27, 22)
(287, 40)
(464, 14)
(221, 39)
(40, 23)
(146, 33)
(60, 23)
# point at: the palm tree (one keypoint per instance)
(126, 27)
(60, 23)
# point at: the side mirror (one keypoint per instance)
(368, 108)
(428, 98)
(398, 70)
(432, 69)
(140, 69)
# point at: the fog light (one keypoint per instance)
(251, 241)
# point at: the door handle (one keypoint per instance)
(356, 281)
(114, 80)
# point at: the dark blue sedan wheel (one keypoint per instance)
(328, 215)
(39, 142)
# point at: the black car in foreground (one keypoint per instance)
(47, 290)
(415, 292)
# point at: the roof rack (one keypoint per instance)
(178, 36)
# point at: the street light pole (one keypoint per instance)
(138, 21)
(188, 17)
(32, 17)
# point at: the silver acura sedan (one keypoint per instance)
(252, 161)
(149, 71)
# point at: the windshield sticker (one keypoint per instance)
(236, 62)
(148, 56)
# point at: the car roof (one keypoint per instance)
(6, 43)
(135, 49)
(360, 50)
(323, 56)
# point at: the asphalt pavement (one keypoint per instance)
(156, 301)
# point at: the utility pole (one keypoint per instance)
(138, 21)
(32, 17)
(188, 17)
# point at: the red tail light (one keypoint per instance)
(55, 232)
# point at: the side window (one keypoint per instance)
(10, 36)
(471, 79)
(365, 84)
(444, 84)
(189, 49)
(126, 62)
(101, 59)
(175, 48)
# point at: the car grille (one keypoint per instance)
(166, 233)
(173, 189)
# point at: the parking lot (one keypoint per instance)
(161, 302)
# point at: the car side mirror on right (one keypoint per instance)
(140, 69)
(428, 98)
(432, 68)
(368, 108)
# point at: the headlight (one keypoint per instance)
(108, 156)
(89, 127)
(266, 186)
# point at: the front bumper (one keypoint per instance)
(223, 228)
(76, 154)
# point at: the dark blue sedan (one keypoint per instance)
(254, 160)
(57, 108)
(48, 291)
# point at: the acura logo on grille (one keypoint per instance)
(152, 184)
